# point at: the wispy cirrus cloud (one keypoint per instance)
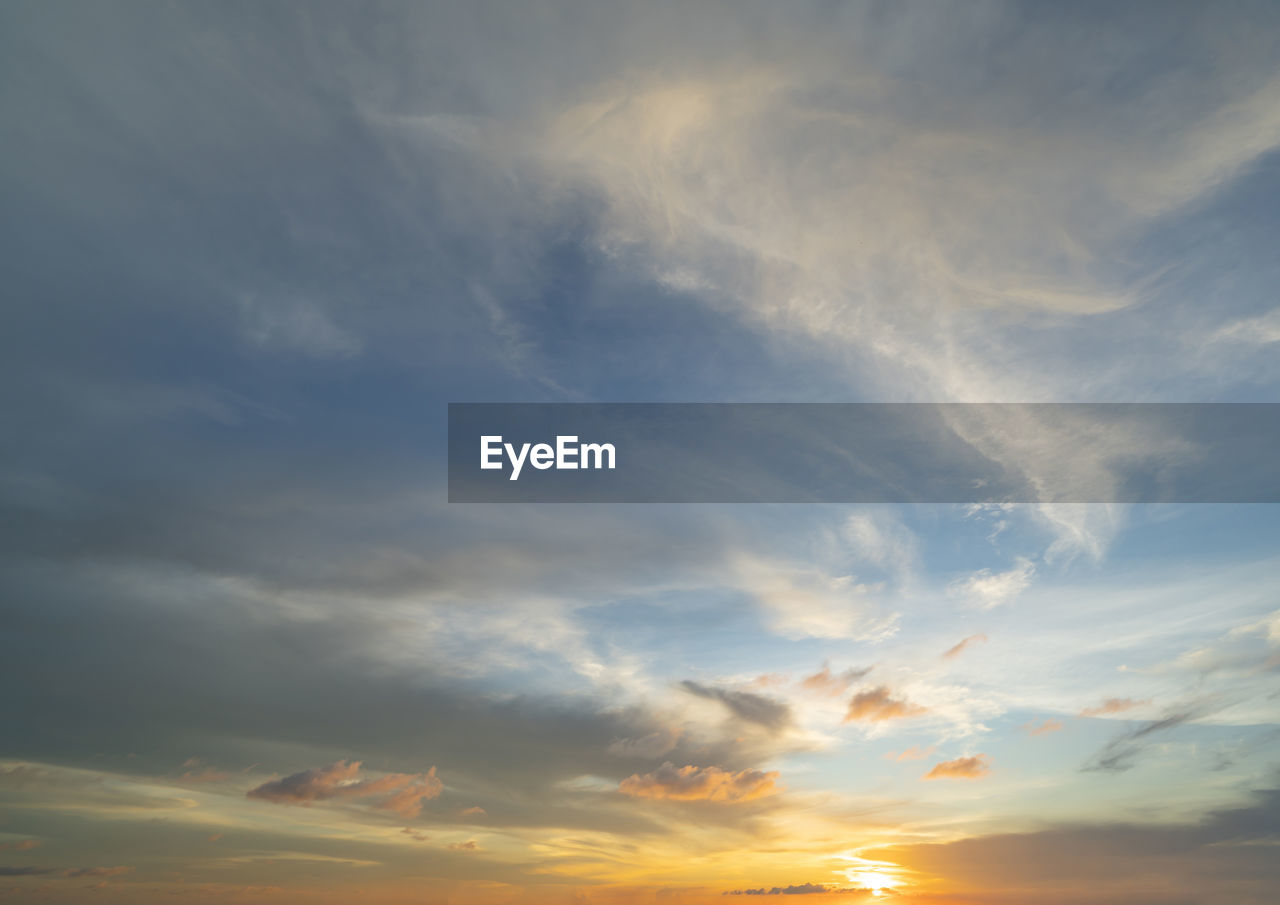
(915, 752)
(986, 590)
(1046, 726)
(1113, 706)
(952, 652)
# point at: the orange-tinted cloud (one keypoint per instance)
(956, 651)
(1112, 705)
(878, 705)
(1045, 727)
(974, 767)
(912, 753)
(692, 783)
(476, 811)
(824, 682)
(402, 793)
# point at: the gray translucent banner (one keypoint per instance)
(864, 453)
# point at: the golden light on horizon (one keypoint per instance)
(880, 877)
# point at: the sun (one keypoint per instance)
(881, 877)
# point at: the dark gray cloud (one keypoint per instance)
(1122, 753)
(772, 714)
(1223, 858)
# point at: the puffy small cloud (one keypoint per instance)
(1044, 727)
(402, 793)
(913, 753)
(824, 682)
(655, 744)
(1113, 705)
(770, 713)
(877, 705)
(974, 767)
(952, 653)
(475, 811)
(692, 783)
(987, 590)
(469, 846)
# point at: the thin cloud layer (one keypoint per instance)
(1113, 706)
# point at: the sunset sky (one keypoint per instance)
(252, 250)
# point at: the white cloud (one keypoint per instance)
(987, 590)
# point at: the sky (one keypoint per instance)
(252, 250)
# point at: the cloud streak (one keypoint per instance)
(690, 783)
(401, 793)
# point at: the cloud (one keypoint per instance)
(655, 744)
(1262, 330)
(986, 590)
(204, 775)
(295, 324)
(1112, 706)
(804, 601)
(469, 846)
(1226, 856)
(956, 651)
(97, 872)
(878, 704)
(772, 714)
(913, 753)
(802, 889)
(692, 783)
(1044, 727)
(474, 811)
(1120, 753)
(402, 793)
(824, 682)
(24, 845)
(975, 767)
